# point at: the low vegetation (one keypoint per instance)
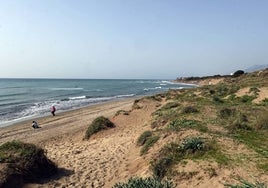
(146, 140)
(144, 183)
(124, 112)
(190, 148)
(246, 184)
(183, 124)
(100, 123)
(218, 113)
(144, 137)
(22, 162)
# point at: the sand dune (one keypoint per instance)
(100, 161)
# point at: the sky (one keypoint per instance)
(131, 39)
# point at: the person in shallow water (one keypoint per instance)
(53, 110)
(35, 125)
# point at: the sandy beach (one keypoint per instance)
(101, 161)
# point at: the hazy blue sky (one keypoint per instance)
(131, 38)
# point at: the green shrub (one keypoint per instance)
(144, 183)
(192, 144)
(189, 110)
(222, 90)
(246, 98)
(124, 112)
(100, 123)
(211, 91)
(174, 125)
(155, 97)
(161, 167)
(149, 143)
(226, 113)
(179, 124)
(264, 102)
(143, 137)
(190, 148)
(26, 163)
(239, 123)
(173, 153)
(217, 99)
(161, 117)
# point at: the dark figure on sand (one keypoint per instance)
(35, 125)
(53, 110)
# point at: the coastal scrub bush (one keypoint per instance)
(192, 145)
(166, 157)
(179, 124)
(147, 140)
(262, 121)
(124, 112)
(136, 105)
(143, 137)
(161, 117)
(239, 123)
(144, 183)
(100, 123)
(174, 125)
(173, 153)
(189, 148)
(246, 98)
(189, 110)
(161, 167)
(25, 163)
(149, 143)
(226, 113)
(264, 102)
(155, 97)
(170, 105)
(222, 90)
(218, 100)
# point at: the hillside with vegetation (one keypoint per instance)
(214, 135)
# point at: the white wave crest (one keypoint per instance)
(77, 98)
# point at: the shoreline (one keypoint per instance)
(70, 120)
(38, 116)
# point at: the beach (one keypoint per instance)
(101, 161)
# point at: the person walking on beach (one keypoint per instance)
(53, 110)
(35, 125)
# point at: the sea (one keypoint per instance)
(22, 99)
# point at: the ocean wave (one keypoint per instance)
(127, 95)
(66, 88)
(13, 94)
(77, 98)
(155, 88)
(96, 97)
